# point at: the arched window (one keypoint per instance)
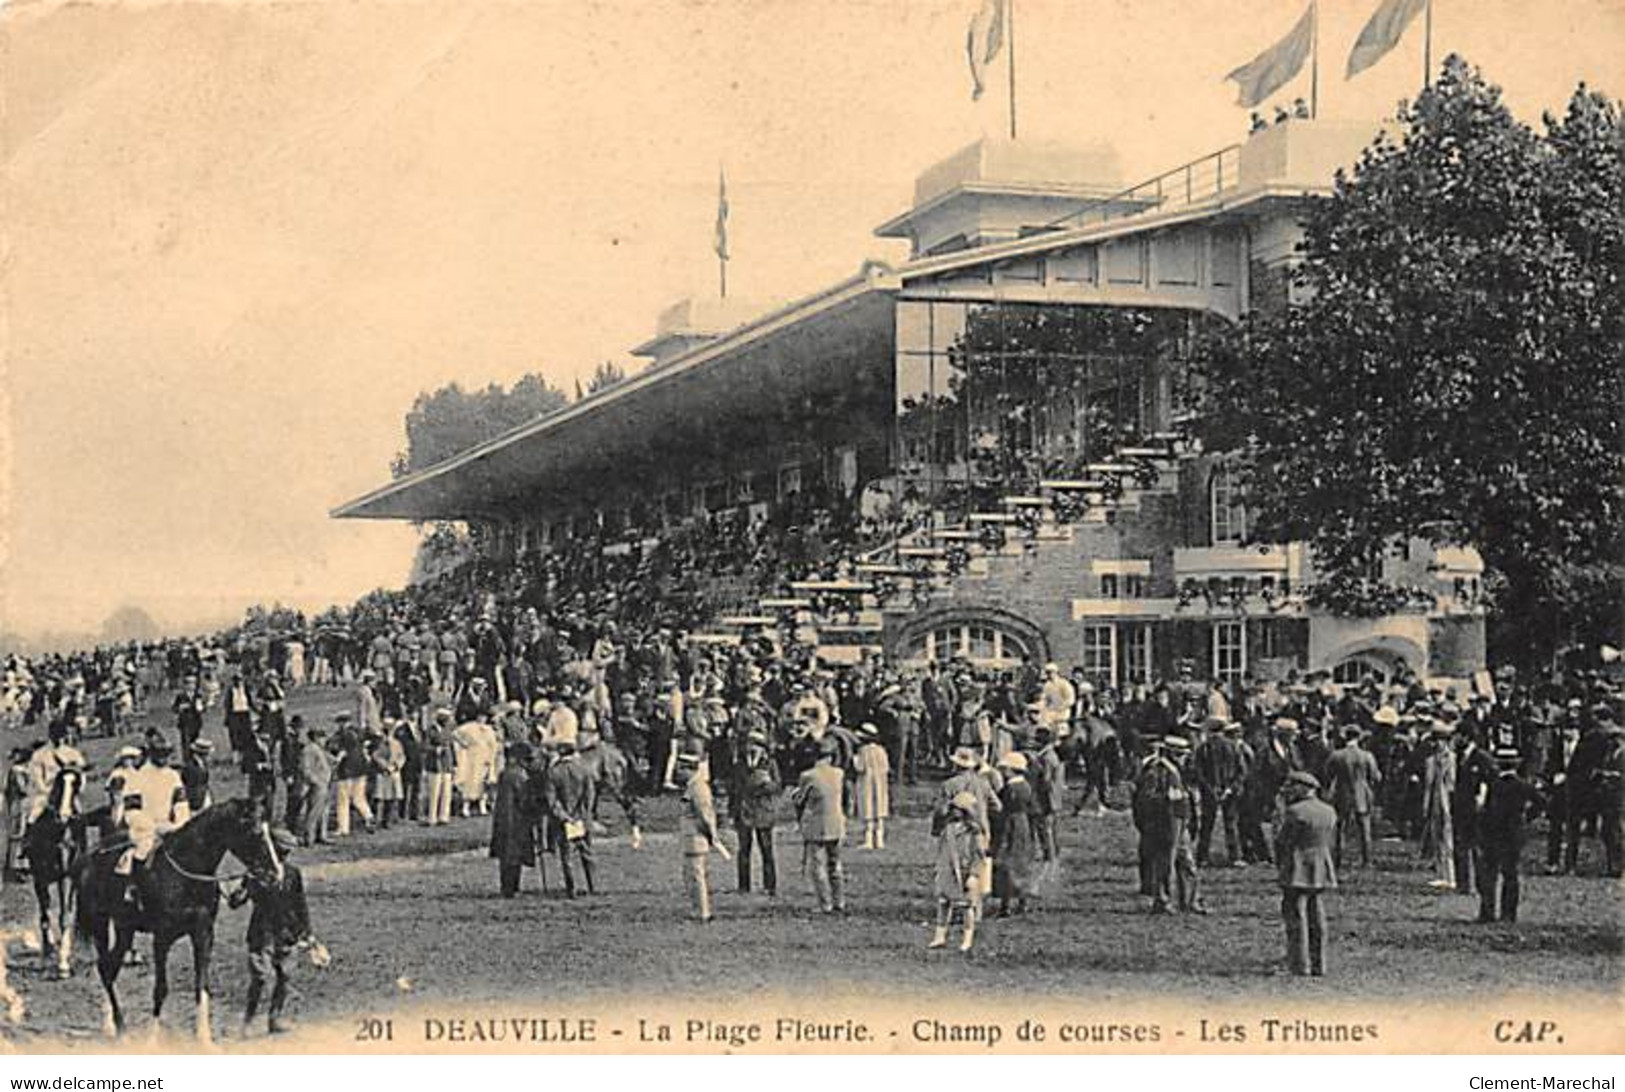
(977, 642)
(1229, 515)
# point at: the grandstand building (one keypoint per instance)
(1012, 399)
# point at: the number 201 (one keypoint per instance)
(373, 1030)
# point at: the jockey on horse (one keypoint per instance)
(49, 760)
(146, 802)
(52, 845)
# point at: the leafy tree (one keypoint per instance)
(451, 420)
(276, 618)
(606, 375)
(1451, 368)
(443, 547)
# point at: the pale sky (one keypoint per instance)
(239, 238)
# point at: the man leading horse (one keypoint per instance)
(175, 891)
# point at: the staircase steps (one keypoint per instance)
(730, 639)
(744, 621)
(833, 587)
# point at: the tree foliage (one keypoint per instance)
(275, 618)
(1451, 368)
(606, 375)
(451, 420)
(443, 547)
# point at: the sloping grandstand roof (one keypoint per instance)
(478, 481)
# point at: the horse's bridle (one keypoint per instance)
(195, 877)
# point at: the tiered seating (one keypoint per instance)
(843, 618)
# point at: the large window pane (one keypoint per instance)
(995, 396)
(914, 326)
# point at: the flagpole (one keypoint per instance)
(1314, 59)
(722, 230)
(1427, 46)
(1010, 34)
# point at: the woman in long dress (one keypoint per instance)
(1438, 830)
(874, 787)
(468, 777)
(1015, 867)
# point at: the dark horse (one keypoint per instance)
(180, 897)
(52, 846)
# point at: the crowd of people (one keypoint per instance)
(530, 691)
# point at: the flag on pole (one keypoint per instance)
(1265, 74)
(720, 242)
(983, 41)
(1382, 32)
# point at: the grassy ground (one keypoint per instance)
(420, 907)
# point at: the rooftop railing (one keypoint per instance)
(1179, 188)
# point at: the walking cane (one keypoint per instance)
(541, 858)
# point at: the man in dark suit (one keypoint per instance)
(278, 926)
(1274, 758)
(411, 740)
(189, 706)
(1221, 774)
(939, 698)
(1608, 790)
(513, 820)
(1554, 777)
(754, 801)
(518, 680)
(239, 706)
(1475, 772)
(1501, 836)
(1162, 813)
(1355, 776)
(1303, 857)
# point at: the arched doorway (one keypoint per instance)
(1365, 665)
(1381, 659)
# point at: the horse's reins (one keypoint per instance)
(199, 877)
(276, 864)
